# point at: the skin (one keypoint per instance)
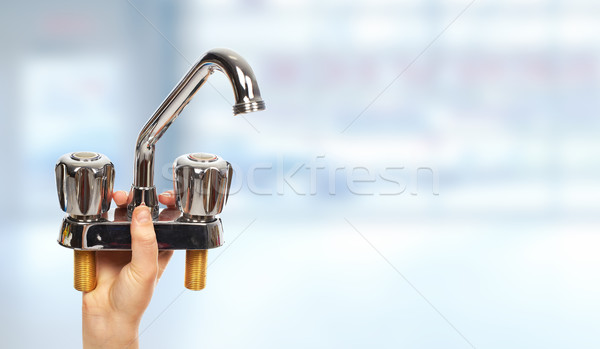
(112, 312)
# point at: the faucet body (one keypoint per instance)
(84, 182)
(247, 99)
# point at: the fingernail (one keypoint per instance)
(143, 215)
(166, 194)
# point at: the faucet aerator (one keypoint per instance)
(249, 107)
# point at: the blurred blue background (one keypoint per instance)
(503, 108)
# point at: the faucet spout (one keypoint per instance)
(247, 100)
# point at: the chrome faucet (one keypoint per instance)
(247, 100)
(84, 181)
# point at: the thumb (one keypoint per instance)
(144, 249)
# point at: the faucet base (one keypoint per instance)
(111, 233)
(143, 195)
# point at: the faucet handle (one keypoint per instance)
(202, 183)
(84, 182)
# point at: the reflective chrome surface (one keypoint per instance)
(111, 232)
(202, 183)
(247, 99)
(84, 183)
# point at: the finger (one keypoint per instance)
(167, 198)
(163, 259)
(144, 249)
(120, 198)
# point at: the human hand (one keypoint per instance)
(112, 312)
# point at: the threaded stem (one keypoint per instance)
(195, 269)
(85, 271)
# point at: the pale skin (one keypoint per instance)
(112, 312)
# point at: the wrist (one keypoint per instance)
(109, 331)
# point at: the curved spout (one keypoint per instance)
(247, 99)
(245, 89)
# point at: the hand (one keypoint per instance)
(112, 312)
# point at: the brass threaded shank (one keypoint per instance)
(84, 272)
(195, 269)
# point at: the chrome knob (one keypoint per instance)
(202, 183)
(84, 182)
